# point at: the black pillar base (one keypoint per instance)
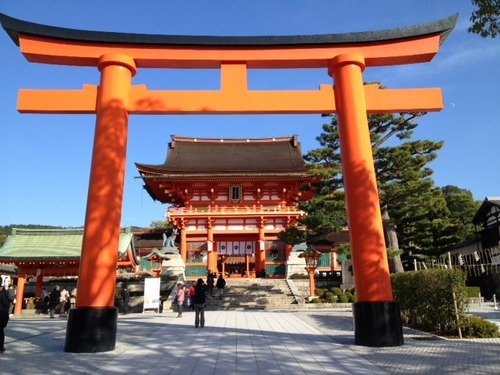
(91, 330)
(377, 324)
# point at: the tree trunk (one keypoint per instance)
(395, 264)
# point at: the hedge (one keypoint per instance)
(426, 299)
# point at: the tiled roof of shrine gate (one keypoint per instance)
(50, 244)
(14, 27)
(210, 156)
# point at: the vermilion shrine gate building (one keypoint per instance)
(230, 198)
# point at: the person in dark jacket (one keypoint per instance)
(54, 301)
(4, 316)
(126, 300)
(221, 283)
(210, 284)
(45, 297)
(199, 303)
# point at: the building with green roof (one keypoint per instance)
(43, 253)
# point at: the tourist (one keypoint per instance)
(199, 303)
(221, 283)
(54, 300)
(210, 284)
(125, 300)
(72, 299)
(179, 298)
(191, 295)
(63, 300)
(4, 316)
(12, 298)
(45, 297)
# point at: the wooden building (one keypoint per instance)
(480, 257)
(229, 198)
(41, 253)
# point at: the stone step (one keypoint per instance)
(257, 294)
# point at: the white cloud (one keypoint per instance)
(469, 54)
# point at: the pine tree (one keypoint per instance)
(462, 207)
(412, 207)
(485, 18)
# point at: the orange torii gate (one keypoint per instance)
(92, 324)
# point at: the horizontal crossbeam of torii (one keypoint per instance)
(118, 56)
(233, 56)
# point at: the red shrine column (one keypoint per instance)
(260, 254)
(288, 247)
(376, 316)
(92, 324)
(288, 250)
(183, 250)
(21, 282)
(211, 253)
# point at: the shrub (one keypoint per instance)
(299, 276)
(328, 295)
(317, 300)
(426, 298)
(331, 298)
(350, 295)
(343, 298)
(319, 292)
(473, 291)
(477, 327)
(336, 291)
(169, 278)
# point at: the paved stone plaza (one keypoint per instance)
(243, 342)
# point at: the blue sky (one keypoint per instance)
(45, 159)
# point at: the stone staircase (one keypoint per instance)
(248, 294)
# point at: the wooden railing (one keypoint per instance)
(233, 210)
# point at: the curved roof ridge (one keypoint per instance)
(46, 231)
(176, 138)
(14, 27)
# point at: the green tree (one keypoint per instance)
(343, 252)
(325, 214)
(485, 18)
(412, 206)
(292, 235)
(160, 224)
(326, 210)
(462, 207)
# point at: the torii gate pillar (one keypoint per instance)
(368, 250)
(92, 324)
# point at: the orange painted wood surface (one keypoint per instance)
(96, 281)
(78, 53)
(230, 101)
(368, 252)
